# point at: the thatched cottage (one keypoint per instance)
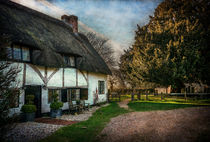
(53, 57)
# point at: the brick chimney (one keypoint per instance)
(72, 20)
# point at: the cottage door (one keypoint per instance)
(36, 91)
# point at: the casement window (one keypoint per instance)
(84, 94)
(69, 61)
(101, 87)
(51, 92)
(15, 99)
(18, 53)
(65, 95)
(75, 94)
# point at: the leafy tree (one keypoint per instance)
(173, 47)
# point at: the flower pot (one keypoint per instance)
(29, 116)
(55, 113)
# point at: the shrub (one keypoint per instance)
(29, 99)
(28, 108)
(56, 105)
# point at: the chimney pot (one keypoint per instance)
(72, 20)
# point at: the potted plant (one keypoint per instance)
(29, 109)
(55, 107)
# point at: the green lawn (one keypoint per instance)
(150, 106)
(87, 131)
(167, 99)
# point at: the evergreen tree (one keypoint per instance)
(173, 47)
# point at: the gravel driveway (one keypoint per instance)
(181, 125)
(34, 131)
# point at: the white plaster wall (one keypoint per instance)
(44, 103)
(42, 70)
(93, 79)
(69, 77)
(81, 79)
(56, 80)
(32, 78)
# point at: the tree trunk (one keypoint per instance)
(139, 95)
(147, 95)
(185, 95)
(132, 95)
(161, 94)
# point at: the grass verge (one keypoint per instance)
(87, 131)
(150, 106)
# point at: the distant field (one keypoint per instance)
(166, 99)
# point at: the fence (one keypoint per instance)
(150, 95)
(121, 94)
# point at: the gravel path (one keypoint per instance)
(34, 131)
(124, 104)
(31, 131)
(82, 117)
(184, 125)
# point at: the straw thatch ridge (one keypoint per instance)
(49, 36)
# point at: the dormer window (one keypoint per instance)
(69, 60)
(18, 53)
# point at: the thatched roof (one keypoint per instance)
(52, 37)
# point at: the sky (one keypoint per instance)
(114, 19)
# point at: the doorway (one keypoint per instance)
(36, 91)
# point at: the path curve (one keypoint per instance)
(124, 104)
(186, 125)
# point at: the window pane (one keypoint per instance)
(64, 95)
(101, 87)
(50, 93)
(14, 101)
(73, 94)
(72, 60)
(9, 52)
(66, 60)
(17, 52)
(68, 94)
(25, 54)
(77, 94)
(84, 94)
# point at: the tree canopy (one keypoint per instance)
(173, 48)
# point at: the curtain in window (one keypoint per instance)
(84, 94)
(25, 54)
(17, 52)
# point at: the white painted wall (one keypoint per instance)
(69, 77)
(32, 78)
(81, 79)
(56, 80)
(93, 79)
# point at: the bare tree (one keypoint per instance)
(104, 50)
(107, 53)
(8, 89)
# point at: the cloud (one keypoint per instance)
(114, 19)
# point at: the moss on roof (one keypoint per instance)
(19, 24)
